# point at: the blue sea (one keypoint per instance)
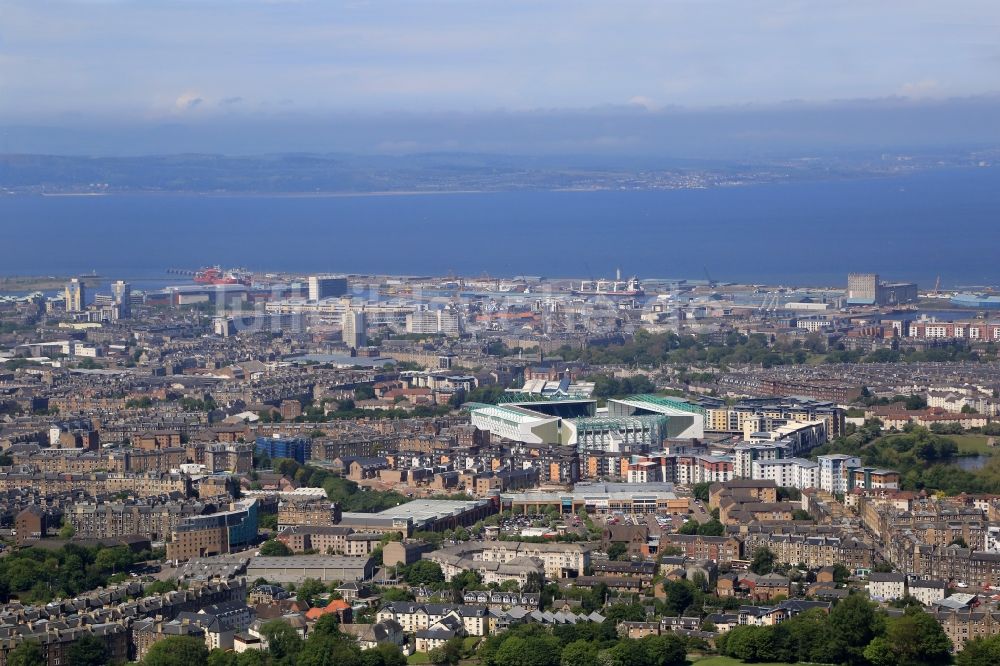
(915, 227)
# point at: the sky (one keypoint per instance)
(76, 74)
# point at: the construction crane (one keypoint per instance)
(770, 303)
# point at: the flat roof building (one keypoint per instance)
(421, 515)
(296, 568)
(326, 286)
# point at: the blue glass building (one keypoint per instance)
(296, 448)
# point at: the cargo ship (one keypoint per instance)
(624, 288)
(215, 275)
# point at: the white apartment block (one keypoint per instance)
(928, 592)
(447, 322)
(744, 455)
(886, 586)
(833, 471)
(415, 617)
(788, 472)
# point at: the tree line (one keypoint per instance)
(37, 575)
(923, 458)
(584, 644)
(855, 633)
(338, 489)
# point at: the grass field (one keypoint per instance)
(729, 661)
(975, 444)
(418, 658)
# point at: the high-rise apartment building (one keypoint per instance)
(422, 321)
(354, 333)
(447, 322)
(833, 472)
(75, 296)
(326, 286)
(121, 297)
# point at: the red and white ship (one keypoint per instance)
(215, 275)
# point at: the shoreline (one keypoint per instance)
(335, 194)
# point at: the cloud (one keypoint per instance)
(644, 102)
(188, 101)
(923, 88)
(128, 60)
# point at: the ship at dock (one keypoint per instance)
(215, 275)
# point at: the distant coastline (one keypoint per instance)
(319, 176)
(410, 192)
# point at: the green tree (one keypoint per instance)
(391, 656)
(423, 572)
(579, 653)
(28, 653)
(535, 650)
(177, 651)
(700, 490)
(253, 658)
(841, 573)
(617, 613)
(449, 653)
(114, 559)
(309, 589)
(879, 652)
(712, 528)
(618, 551)
(467, 580)
(804, 638)
(763, 561)
(916, 639)
(88, 650)
(680, 595)
(396, 594)
(977, 652)
(67, 531)
(327, 625)
(275, 548)
(854, 622)
(364, 393)
(627, 652)
(665, 650)
(332, 650)
(689, 527)
(534, 583)
(219, 657)
(283, 642)
(750, 644)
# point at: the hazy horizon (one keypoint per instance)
(684, 79)
(752, 131)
